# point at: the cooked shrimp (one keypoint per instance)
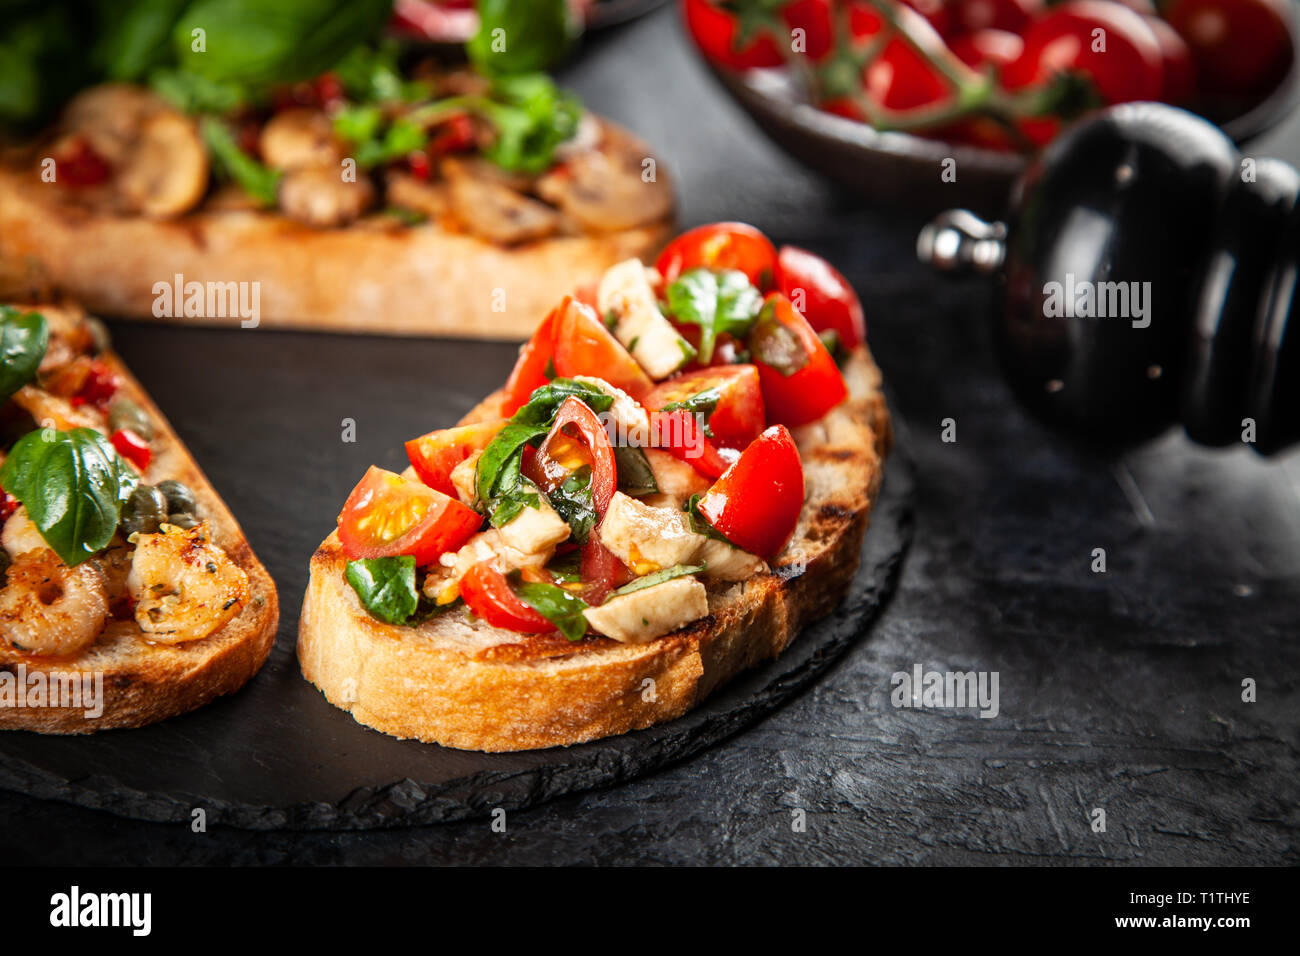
(20, 534)
(49, 608)
(185, 587)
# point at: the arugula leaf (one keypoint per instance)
(72, 484)
(635, 476)
(776, 346)
(385, 586)
(658, 577)
(557, 605)
(24, 337)
(703, 403)
(520, 36)
(717, 301)
(572, 502)
(257, 180)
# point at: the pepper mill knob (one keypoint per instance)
(1147, 274)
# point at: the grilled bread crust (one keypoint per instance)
(370, 277)
(144, 683)
(464, 684)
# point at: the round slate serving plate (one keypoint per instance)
(277, 755)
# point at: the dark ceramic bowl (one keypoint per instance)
(900, 170)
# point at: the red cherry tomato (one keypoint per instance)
(996, 48)
(822, 294)
(8, 505)
(601, 571)
(132, 447)
(756, 503)
(454, 135)
(577, 439)
(1109, 43)
(739, 416)
(938, 13)
(1240, 47)
(1179, 72)
(81, 165)
(900, 78)
(1009, 15)
(722, 245)
(583, 346)
(488, 594)
(434, 456)
(679, 433)
(800, 380)
(716, 33)
(388, 515)
(529, 373)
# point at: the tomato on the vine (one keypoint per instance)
(1009, 15)
(721, 245)
(1240, 47)
(717, 34)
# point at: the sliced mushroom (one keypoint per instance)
(166, 172)
(318, 196)
(407, 192)
(493, 210)
(109, 116)
(299, 137)
(606, 189)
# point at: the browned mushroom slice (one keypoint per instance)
(299, 137)
(319, 196)
(407, 192)
(166, 171)
(609, 188)
(489, 208)
(109, 116)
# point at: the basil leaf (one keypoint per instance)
(24, 337)
(255, 179)
(717, 301)
(71, 483)
(572, 502)
(385, 586)
(558, 606)
(703, 403)
(498, 466)
(635, 476)
(519, 36)
(375, 141)
(774, 345)
(133, 36)
(699, 523)
(547, 399)
(659, 577)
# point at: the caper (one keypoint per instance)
(124, 413)
(143, 510)
(179, 498)
(183, 521)
(100, 339)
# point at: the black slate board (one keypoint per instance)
(278, 755)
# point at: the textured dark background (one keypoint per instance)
(1118, 690)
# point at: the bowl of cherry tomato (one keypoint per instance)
(894, 98)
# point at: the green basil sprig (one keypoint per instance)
(703, 403)
(560, 607)
(386, 587)
(717, 301)
(260, 182)
(635, 476)
(572, 502)
(24, 337)
(72, 484)
(658, 577)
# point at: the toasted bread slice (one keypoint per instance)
(376, 276)
(462, 683)
(144, 683)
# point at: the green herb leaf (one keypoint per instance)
(774, 345)
(557, 605)
(520, 36)
(703, 403)
(498, 466)
(24, 337)
(635, 476)
(72, 484)
(530, 116)
(717, 301)
(658, 577)
(257, 180)
(572, 502)
(386, 587)
(133, 36)
(699, 523)
(547, 399)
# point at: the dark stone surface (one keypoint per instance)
(1119, 691)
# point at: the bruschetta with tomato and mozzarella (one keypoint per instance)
(128, 593)
(675, 477)
(416, 201)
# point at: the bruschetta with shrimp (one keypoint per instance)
(676, 476)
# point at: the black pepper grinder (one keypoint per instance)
(1147, 273)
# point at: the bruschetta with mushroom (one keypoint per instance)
(127, 592)
(675, 477)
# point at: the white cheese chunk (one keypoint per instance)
(648, 539)
(650, 612)
(639, 325)
(535, 530)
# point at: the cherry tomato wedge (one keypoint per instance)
(822, 294)
(800, 380)
(434, 456)
(756, 503)
(716, 32)
(583, 346)
(601, 571)
(488, 594)
(577, 439)
(529, 372)
(132, 447)
(722, 245)
(388, 515)
(738, 417)
(678, 432)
